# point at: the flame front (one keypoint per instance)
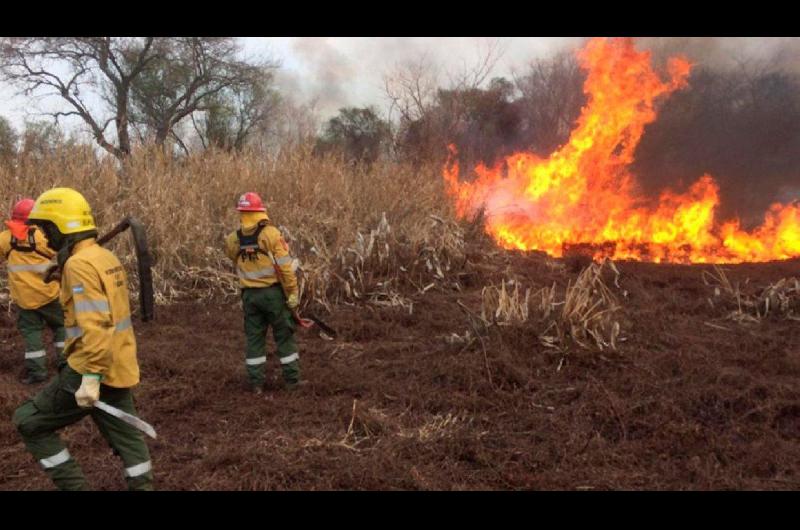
(584, 194)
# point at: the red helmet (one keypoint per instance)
(22, 209)
(250, 202)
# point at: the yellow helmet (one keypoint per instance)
(65, 208)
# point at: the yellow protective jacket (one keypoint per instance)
(26, 270)
(97, 316)
(260, 271)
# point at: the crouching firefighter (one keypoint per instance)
(25, 249)
(269, 291)
(100, 349)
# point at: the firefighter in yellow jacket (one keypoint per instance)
(28, 258)
(269, 291)
(100, 349)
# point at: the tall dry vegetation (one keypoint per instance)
(360, 231)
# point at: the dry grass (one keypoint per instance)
(505, 306)
(361, 232)
(590, 311)
(746, 304)
(588, 315)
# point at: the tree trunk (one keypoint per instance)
(161, 137)
(122, 124)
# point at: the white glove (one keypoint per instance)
(89, 391)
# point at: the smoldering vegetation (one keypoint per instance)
(737, 120)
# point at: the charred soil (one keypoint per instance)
(688, 400)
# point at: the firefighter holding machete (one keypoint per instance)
(25, 249)
(269, 291)
(100, 349)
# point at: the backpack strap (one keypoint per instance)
(31, 247)
(249, 247)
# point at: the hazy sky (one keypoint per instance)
(344, 71)
(340, 71)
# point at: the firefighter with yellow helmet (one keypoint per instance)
(267, 279)
(100, 349)
(28, 257)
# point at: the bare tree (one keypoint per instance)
(8, 141)
(551, 98)
(432, 115)
(191, 75)
(472, 76)
(237, 113)
(411, 87)
(297, 124)
(74, 69)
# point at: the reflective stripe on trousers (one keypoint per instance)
(35, 354)
(138, 469)
(290, 358)
(255, 361)
(55, 460)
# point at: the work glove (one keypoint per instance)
(292, 302)
(89, 391)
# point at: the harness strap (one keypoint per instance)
(31, 245)
(248, 245)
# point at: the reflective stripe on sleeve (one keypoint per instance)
(35, 354)
(55, 460)
(84, 306)
(138, 469)
(256, 361)
(123, 324)
(255, 275)
(73, 332)
(58, 344)
(25, 268)
(290, 358)
(287, 260)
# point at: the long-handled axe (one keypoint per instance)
(144, 262)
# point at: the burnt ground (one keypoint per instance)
(393, 405)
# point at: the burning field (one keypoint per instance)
(540, 323)
(583, 195)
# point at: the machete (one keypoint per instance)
(323, 326)
(130, 419)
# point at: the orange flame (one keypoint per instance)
(584, 194)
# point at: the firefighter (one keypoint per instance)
(269, 291)
(100, 349)
(25, 249)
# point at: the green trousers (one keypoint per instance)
(264, 308)
(31, 324)
(54, 407)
